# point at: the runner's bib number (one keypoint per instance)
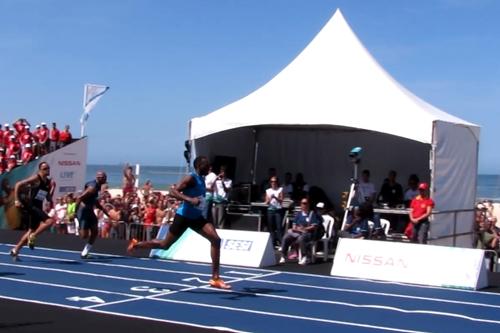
(41, 195)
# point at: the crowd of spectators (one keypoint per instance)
(487, 227)
(20, 144)
(141, 212)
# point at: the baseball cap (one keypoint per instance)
(320, 205)
(423, 186)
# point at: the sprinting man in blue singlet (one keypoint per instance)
(191, 190)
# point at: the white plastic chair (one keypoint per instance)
(328, 225)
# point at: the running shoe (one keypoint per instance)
(13, 254)
(131, 245)
(31, 241)
(218, 283)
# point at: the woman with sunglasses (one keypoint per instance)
(29, 195)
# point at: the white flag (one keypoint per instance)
(91, 95)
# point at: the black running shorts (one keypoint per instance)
(181, 223)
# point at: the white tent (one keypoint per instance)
(335, 96)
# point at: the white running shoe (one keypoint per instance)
(282, 260)
(304, 260)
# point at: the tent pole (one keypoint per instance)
(255, 156)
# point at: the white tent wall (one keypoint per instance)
(320, 153)
(454, 185)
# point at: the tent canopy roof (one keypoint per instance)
(333, 81)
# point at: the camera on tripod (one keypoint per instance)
(355, 154)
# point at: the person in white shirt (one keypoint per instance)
(209, 194)
(365, 189)
(221, 188)
(274, 199)
(412, 190)
(60, 209)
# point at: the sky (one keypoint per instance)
(168, 61)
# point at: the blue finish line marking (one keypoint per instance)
(178, 292)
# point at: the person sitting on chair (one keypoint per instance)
(303, 231)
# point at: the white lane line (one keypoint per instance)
(162, 270)
(451, 290)
(242, 273)
(98, 275)
(284, 315)
(65, 286)
(371, 306)
(257, 279)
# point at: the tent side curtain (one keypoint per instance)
(455, 176)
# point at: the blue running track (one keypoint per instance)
(260, 301)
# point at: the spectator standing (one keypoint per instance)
(300, 187)
(391, 192)
(128, 180)
(61, 209)
(71, 213)
(274, 199)
(65, 137)
(288, 185)
(209, 195)
(6, 135)
(412, 190)
(420, 210)
(54, 138)
(43, 136)
(1, 136)
(221, 187)
(365, 188)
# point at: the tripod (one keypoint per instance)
(352, 189)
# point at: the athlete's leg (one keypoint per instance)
(21, 243)
(177, 228)
(44, 225)
(154, 244)
(208, 231)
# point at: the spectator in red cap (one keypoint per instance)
(11, 163)
(43, 137)
(27, 155)
(420, 210)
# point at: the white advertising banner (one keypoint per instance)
(411, 263)
(68, 166)
(239, 248)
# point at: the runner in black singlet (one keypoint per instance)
(85, 204)
(29, 195)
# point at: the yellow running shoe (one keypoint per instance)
(31, 241)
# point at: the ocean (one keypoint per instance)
(488, 186)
